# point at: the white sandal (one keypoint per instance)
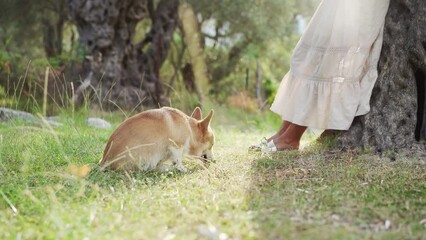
(271, 148)
(260, 147)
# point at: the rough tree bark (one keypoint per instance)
(397, 119)
(119, 73)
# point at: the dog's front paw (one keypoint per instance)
(165, 168)
(181, 168)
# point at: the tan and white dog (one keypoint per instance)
(149, 138)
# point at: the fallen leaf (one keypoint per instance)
(79, 171)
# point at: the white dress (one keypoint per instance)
(334, 65)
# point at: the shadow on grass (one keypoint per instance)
(108, 178)
(322, 195)
(275, 180)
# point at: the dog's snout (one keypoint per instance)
(207, 156)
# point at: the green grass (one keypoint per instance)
(295, 195)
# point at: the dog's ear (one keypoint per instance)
(197, 114)
(206, 121)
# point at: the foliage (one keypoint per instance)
(240, 33)
(24, 22)
(236, 35)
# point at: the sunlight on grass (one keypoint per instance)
(51, 188)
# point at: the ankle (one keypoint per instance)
(286, 142)
(277, 135)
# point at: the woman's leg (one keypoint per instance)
(282, 130)
(290, 139)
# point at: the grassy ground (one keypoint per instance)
(295, 195)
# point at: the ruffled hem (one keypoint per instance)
(317, 104)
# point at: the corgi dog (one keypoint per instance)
(149, 138)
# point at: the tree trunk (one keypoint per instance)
(118, 73)
(188, 78)
(192, 36)
(53, 29)
(259, 90)
(49, 39)
(397, 117)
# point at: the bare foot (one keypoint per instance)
(290, 139)
(282, 143)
